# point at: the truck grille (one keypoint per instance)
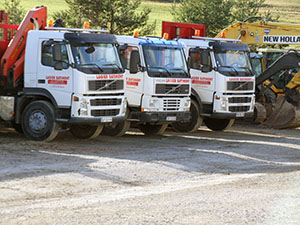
(240, 85)
(172, 89)
(106, 85)
(106, 101)
(105, 112)
(239, 108)
(171, 104)
(239, 100)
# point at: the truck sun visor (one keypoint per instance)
(222, 46)
(161, 43)
(88, 37)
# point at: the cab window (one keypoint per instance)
(47, 54)
(194, 54)
(125, 56)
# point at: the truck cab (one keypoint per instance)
(158, 83)
(73, 78)
(223, 83)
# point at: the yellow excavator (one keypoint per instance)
(280, 109)
(278, 80)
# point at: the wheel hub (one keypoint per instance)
(37, 121)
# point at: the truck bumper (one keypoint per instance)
(159, 116)
(92, 121)
(230, 115)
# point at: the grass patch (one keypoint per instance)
(289, 10)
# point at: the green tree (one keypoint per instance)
(215, 14)
(118, 16)
(15, 10)
(244, 9)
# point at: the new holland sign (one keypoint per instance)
(281, 39)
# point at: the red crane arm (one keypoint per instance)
(12, 61)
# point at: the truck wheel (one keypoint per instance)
(150, 129)
(86, 131)
(218, 124)
(194, 123)
(38, 121)
(116, 129)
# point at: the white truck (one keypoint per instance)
(158, 84)
(55, 77)
(223, 84)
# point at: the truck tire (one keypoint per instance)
(194, 123)
(116, 129)
(218, 124)
(85, 131)
(38, 121)
(150, 129)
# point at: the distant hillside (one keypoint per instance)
(289, 10)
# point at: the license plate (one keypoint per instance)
(240, 114)
(171, 118)
(105, 119)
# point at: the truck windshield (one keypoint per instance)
(165, 62)
(233, 63)
(95, 58)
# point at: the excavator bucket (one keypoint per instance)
(284, 115)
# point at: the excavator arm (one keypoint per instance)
(289, 60)
(286, 112)
(12, 61)
(262, 33)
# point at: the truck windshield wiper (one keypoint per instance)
(247, 69)
(157, 67)
(185, 73)
(113, 64)
(236, 72)
(92, 64)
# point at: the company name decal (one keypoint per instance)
(173, 80)
(61, 80)
(202, 80)
(240, 79)
(282, 39)
(132, 81)
(112, 76)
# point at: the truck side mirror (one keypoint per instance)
(189, 62)
(205, 61)
(57, 56)
(134, 61)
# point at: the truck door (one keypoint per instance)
(55, 76)
(202, 77)
(134, 81)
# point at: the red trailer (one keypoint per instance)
(182, 30)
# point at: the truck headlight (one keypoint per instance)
(223, 103)
(187, 103)
(83, 107)
(152, 102)
(124, 105)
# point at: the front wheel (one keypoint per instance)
(86, 131)
(218, 124)
(150, 129)
(194, 123)
(38, 121)
(116, 129)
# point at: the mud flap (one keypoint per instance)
(284, 115)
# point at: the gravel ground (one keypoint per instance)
(246, 175)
